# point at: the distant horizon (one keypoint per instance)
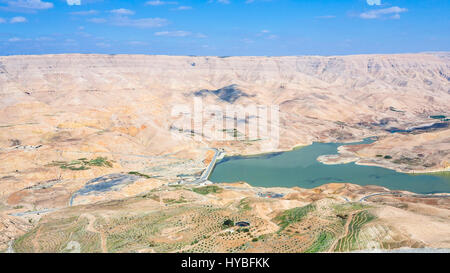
(228, 56)
(223, 27)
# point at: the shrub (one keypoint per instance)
(228, 223)
(208, 189)
(293, 215)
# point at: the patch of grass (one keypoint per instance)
(293, 215)
(174, 201)
(55, 234)
(75, 168)
(208, 189)
(322, 243)
(82, 164)
(99, 162)
(140, 174)
(244, 204)
(347, 207)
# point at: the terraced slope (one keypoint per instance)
(141, 224)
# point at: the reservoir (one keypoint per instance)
(300, 168)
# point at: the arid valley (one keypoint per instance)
(93, 160)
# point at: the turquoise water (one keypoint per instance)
(300, 168)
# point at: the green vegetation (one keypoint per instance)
(174, 201)
(348, 207)
(208, 189)
(379, 155)
(244, 204)
(140, 174)
(228, 223)
(99, 162)
(322, 243)
(55, 235)
(387, 157)
(350, 241)
(293, 215)
(443, 173)
(82, 164)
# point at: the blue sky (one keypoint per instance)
(224, 27)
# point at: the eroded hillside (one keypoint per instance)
(77, 130)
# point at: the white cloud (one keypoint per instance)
(139, 23)
(374, 2)
(97, 20)
(44, 39)
(125, 21)
(183, 8)
(266, 34)
(326, 17)
(2, 21)
(137, 43)
(27, 5)
(18, 19)
(122, 11)
(14, 39)
(102, 44)
(73, 2)
(374, 14)
(160, 3)
(84, 12)
(178, 33)
(220, 1)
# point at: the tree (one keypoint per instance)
(228, 223)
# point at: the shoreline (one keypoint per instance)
(351, 158)
(443, 172)
(298, 147)
(399, 170)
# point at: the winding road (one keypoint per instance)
(363, 199)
